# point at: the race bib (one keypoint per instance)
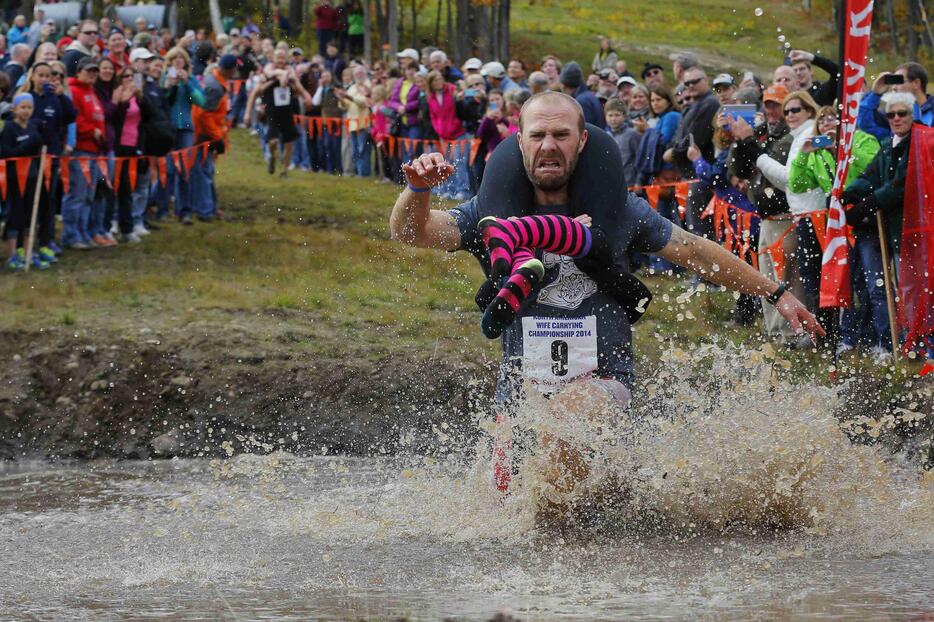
(555, 350)
(281, 96)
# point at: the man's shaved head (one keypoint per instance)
(556, 99)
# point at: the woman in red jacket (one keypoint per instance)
(443, 110)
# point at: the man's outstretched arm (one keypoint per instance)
(412, 220)
(716, 264)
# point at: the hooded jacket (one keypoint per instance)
(90, 116)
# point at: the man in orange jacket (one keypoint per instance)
(210, 123)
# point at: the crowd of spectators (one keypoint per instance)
(335, 112)
(106, 101)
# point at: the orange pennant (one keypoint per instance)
(102, 165)
(163, 173)
(118, 171)
(474, 149)
(133, 171)
(188, 157)
(819, 220)
(22, 173)
(47, 173)
(65, 172)
(3, 181)
(85, 165)
(651, 195)
(177, 159)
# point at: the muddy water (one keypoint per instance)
(733, 500)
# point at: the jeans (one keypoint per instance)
(870, 258)
(141, 193)
(856, 321)
(180, 181)
(301, 156)
(362, 152)
(239, 106)
(79, 201)
(98, 224)
(331, 151)
(202, 186)
(459, 182)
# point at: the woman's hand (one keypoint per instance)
(808, 146)
(640, 124)
(694, 153)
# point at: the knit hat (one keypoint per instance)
(571, 75)
(22, 97)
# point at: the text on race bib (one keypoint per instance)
(558, 349)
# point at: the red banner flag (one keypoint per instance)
(835, 269)
(916, 265)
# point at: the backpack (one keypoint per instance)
(649, 155)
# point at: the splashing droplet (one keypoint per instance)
(759, 12)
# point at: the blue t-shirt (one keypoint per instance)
(566, 293)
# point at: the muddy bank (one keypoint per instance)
(211, 390)
(239, 382)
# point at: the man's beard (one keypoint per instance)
(550, 183)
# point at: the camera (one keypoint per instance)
(893, 78)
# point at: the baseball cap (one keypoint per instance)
(234, 32)
(775, 93)
(626, 80)
(140, 54)
(409, 53)
(723, 78)
(494, 70)
(297, 51)
(151, 26)
(473, 63)
(227, 62)
(649, 67)
(88, 62)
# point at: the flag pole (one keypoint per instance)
(30, 241)
(888, 281)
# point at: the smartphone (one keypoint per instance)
(492, 106)
(470, 92)
(740, 111)
(893, 78)
(138, 80)
(691, 139)
(749, 77)
(821, 141)
(173, 72)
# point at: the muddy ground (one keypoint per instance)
(234, 382)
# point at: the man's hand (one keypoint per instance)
(669, 155)
(427, 170)
(797, 56)
(741, 130)
(879, 86)
(694, 154)
(799, 317)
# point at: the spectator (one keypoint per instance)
(333, 61)
(605, 58)
(627, 139)
(127, 121)
(16, 68)
(495, 125)
(516, 72)
(203, 53)
(250, 29)
(90, 136)
(20, 138)
(551, 67)
(915, 82)
(116, 51)
(639, 107)
(814, 168)
(19, 32)
(53, 113)
(786, 77)
(622, 69)
(4, 53)
(438, 61)
(606, 87)
(327, 96)
(472, 67)
(355, 28)
(823, 93)
(210, 124)
(356, 101)
(82, 47)
(38, 28)
(183, 93)
(572, 80)
(653, 74)
(495, 75)
(103, 220)
(624, 86)
(325, 25)
(682, 61)
(697, 127)
(725, 87)
(538, 82)
(140, 24)
(442, 105)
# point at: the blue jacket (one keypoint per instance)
(53, 113)
(593, 111)
(181, 97)
(871, 121)
(17, 35)
(668, 126)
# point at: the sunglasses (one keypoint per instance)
(653, 72)
(793, 110)
(901, 114)
(692, 82)
(89, 32)
(58, 74)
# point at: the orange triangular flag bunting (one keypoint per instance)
(85, 165)
(22, 173)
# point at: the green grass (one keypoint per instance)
(313, 252)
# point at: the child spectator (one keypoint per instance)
(627, 139)
(20, 138)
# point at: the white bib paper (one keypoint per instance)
(555, 350)
(281, 96)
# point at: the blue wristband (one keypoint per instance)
(414, 189)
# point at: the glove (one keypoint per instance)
(849, 197)
(862, 212)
